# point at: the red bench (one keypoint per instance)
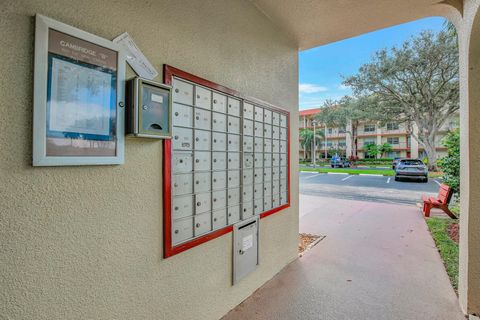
(443, 199)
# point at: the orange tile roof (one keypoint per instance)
(309, 112)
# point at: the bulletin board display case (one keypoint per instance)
(227, 161)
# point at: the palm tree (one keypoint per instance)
(306, 139)
(385, 148)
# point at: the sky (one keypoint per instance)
(321, 69)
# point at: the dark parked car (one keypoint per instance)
(411, 168)
(395, 162)
(339, 162)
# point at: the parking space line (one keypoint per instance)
(347, 178)
(437, 182)
(388, 180)
(314, 175)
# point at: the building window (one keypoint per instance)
(330, 130)
(342, 144)
(392, 140)
(392, 126)
(341, 130)
(367, 142)
(369, 128)
(393, 154)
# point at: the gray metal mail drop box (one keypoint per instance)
(245, 248)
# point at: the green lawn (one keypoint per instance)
(447, 247)
(351, 171)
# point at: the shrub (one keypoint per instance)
(450, 164)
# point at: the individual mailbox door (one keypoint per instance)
(247, 194)
(283, 120)
(275, 200)
(247, 160)
(283, 198)
(202, 182)
(182, 230)
(202, 119)
(267, 116)
(219, 199)
(283, 146)
(258, 144)
(182, 92)
(203, 97)
(233, 214)
(219, 218)
(219, 122)
(275, 160)
(267, 145)
(275, 118)
(267, 159)
(219, 102)
(284, 185)
(248, 111)
(258, 191)
(182, 162)
(247, 176)
(275, 132)
(233, 160)
(283, 159)
(219, 180)
(203, 161)
(182, 207)
(276, 146)
(233, 196)
(283, 134)
(247, 210)
(219, 161)
(275, 186)
(182, 115)
(267, 131)
(258, 206)
(247, 144)
(233, 125)
(247, 127)
(283, 173)
(182, 183)
(258, 175)
(258, 159)
(267, 202)
(182, 139)
(233, 142)
(203, 202)
(202, 140)
(245, 248)
(258, 114)
(203, 223)
(233, 178)
(219, 141)
(275, 173)
(267, 174)
(267, 188)
(258, 129)
(233, 106)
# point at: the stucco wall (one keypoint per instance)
(86, 242)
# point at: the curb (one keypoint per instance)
(372, 175)
(338, 173)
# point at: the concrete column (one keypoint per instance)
(379, 137)
(348, 138)
(414, 142)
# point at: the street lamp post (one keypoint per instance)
(314, 123)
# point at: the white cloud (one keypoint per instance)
(311, 88)
(343, 87)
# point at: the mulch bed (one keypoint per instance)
(306, 239)
(453, 231)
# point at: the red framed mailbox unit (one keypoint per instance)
(169, 249)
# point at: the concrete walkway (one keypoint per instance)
(378, 261)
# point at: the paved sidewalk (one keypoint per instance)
(378, 261)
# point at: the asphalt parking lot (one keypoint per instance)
(366, 187)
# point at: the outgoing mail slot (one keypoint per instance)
(219, 180)
(267, 130)
(267, 174)
(233, 106)
(202, 182)
(283, 134)
(233, 178)
(258, 175)
(182, 207)
(182, 183)
(203, 98)
(275, 132)
(283, 172)
(247, 193)
(267, 116)
(275, 160)
(233, 125)
(233, 160)
(219, 199)
(258, 144)
(202, 140)
(258, 191)
(247, 176)
(247, 210)
(245, 248)
(276, 146)
(182, 139)
(283, 120)
(258, 159)
(202, 161)
(283, 146)
(219, 102)
(258, 129)
(247, 144)
(267, 188)
(248, 127)
(219, 142)
(233, 196)
(202, 202)
(248, 111)
(275, 186)
(182, 162)
(182, 92)
(267, 202)
(219, 161)
(275, 173)
(267, 145)
(182, 115)
(202, 119)
(233, 142)
(203, 223)
(247, 160)
(258, 206)
(267, 159)
(219, 218)
(182, 230)
(219, 122)
(258, 114)
(233, 214)
(275, 118)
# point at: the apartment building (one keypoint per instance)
(338, 141)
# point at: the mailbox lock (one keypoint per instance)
(145, 107)
(214, 200)
(197, 182)
(176, 90)
(241, 251)
(214, 160)
(214, 100)
(196, 139)
(197, 160)
(197, 117)
(176, 231)
(214, 180)
(181, 161)
(198, 96)
(121, 104)
(199, 204)
(176, 137)
(176, 113)
(176, 208)
(214, 219)
(198, 225)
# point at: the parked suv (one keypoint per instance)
(412, 168)
(339, 162)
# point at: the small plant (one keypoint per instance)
(450, 164)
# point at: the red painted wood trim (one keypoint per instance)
(167, 197)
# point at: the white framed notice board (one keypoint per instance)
(228, 161)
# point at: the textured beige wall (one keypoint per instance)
(86, 242)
